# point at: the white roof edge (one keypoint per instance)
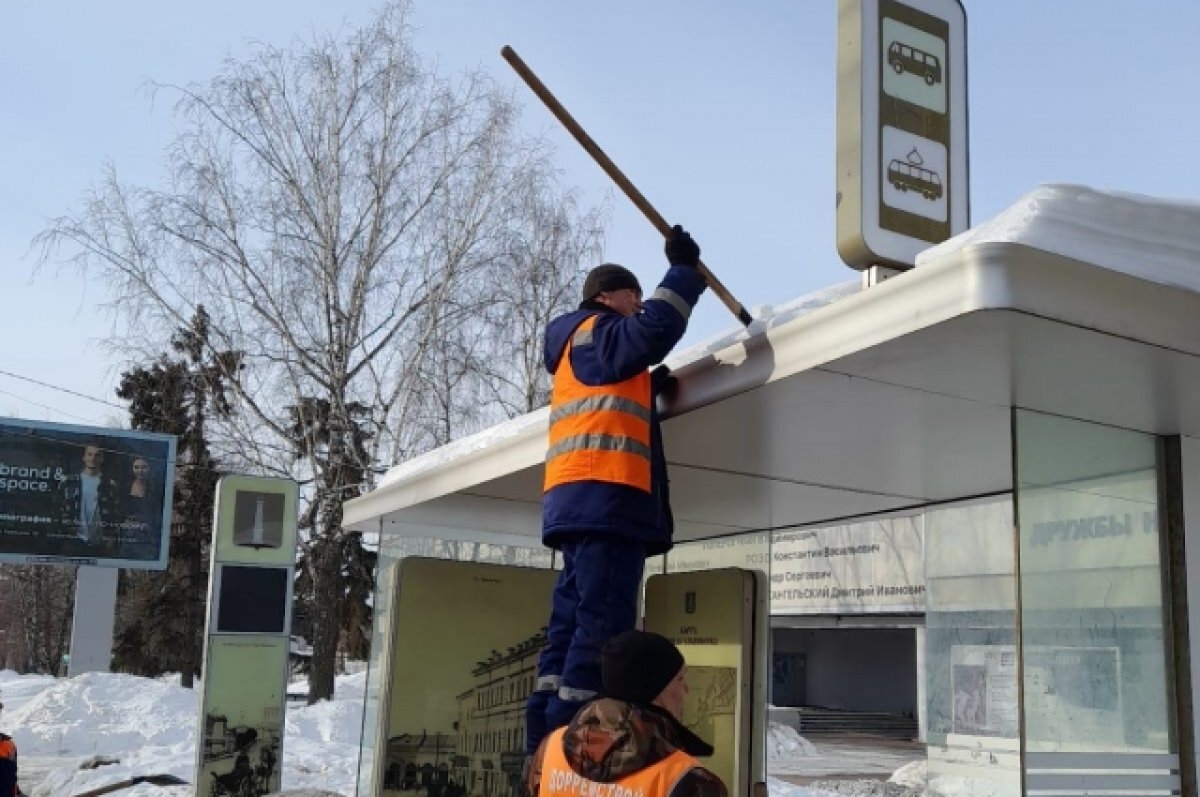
(510, 446)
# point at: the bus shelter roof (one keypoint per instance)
(1073, 302)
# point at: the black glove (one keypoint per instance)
(681, 249)
(663, 382)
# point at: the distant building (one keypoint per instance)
(483, 754)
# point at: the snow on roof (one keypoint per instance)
(765, 317)
(465, 446)
(1154, 239)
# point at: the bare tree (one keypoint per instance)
(551, 243)
(43, 601)
(487, 360)
(334, 206)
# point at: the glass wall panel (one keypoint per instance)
(971, 650)
(394, 547)
(722, 707)
(1096, 674)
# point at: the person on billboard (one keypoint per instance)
(605, 504)
(632, 737)
(142, 513)
(89, 497)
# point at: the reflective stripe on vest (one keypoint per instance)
(656, 780)
(599, 433)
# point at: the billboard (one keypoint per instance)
(84, 495)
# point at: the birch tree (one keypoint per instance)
(336, 206)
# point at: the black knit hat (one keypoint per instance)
(636, 666)
(608, 277)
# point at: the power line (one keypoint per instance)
(19, 397)
(285, 450)
(69, 391)
(60, 389)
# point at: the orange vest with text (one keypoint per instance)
(598, 433)
(656, 780)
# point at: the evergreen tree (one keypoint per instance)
(338, 449)
(161, 623)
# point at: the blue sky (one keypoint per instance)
(721, 113)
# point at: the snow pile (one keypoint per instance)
(784, 743)
(314, 764)
(781, 788)
(320, 742)
(146, 726)
(913, 775)
(177, 760)
(103, 713)
(17, 690)
(862, 788)
(972, 787)
(351, 686)
(1147, 237)
(839, 788)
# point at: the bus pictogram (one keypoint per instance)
(903, 58)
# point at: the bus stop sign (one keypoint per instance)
(901, 129)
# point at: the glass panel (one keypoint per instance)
(970, 650)
(377, 664)
(1094, 651)
(709, 695)
(392, 549)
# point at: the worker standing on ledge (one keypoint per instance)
(605, 504)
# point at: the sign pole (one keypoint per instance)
(93, 619)
(239, 735)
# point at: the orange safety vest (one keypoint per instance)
(656, 780)
(598, 433)
(8, 753)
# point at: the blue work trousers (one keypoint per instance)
(595, 598)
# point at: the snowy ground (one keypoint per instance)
(858, 767)
(124, 726)
(149, 726)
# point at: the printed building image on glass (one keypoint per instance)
(241, 729)
(455, 709)
(914, 118)
(92, 495)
